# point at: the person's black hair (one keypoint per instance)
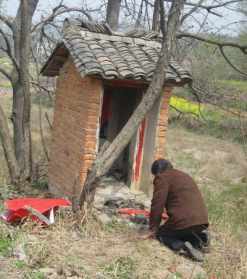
(160, 166)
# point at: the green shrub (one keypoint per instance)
(186, 106)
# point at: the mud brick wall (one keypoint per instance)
(162, 125)
(75, 130)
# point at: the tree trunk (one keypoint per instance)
(21, 87)
(106, 158)
(112, 13)
(156, 17)
(8, 148)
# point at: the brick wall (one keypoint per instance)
(75, 129)
(162, 124)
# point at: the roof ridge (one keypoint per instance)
(112, 55)
(103, 28)
(115, 37)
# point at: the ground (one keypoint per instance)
(114, 250)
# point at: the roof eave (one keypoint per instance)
(47, 69)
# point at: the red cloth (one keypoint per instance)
(16, 208)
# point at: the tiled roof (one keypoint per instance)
(97, 51)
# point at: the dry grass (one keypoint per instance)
(95, 251)
(206, 157)
(219, 167)
(228, 258)
(113, 251)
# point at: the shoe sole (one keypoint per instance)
(193, 252)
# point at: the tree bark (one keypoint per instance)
(8, 148)
(21, 87)
(105, 159)
(112, 13)
(156, 17)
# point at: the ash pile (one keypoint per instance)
(112, 195)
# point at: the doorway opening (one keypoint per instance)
(118, 105)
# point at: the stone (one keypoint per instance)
(112, 191)
(112, 195)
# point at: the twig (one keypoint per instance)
(193, 10)
(36, 213)
(42, 132)
(6, 74)
(7, 21)
(243, 48)
(230, 63)
(8, 50)
(48, 120)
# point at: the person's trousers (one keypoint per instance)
(175, 239)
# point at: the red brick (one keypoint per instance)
(77, 108)
(162, 125)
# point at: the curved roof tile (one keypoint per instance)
(97, 51)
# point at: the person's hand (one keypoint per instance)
(147, 235)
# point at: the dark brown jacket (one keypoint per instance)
(177, 192)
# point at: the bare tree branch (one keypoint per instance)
(56, 13)
(6, 74)
(42, 132)
(230, 63)
(48, 120)
(8, 50)
(220, 5)
(139, 17)
(209, 8)
(193, 10)
(7, 21)
(218, 43)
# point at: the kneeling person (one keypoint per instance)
(177, 193)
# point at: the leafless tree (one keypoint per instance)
(19, 56)
(17, 36)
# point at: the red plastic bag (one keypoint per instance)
(134, 212)
(17, 209)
